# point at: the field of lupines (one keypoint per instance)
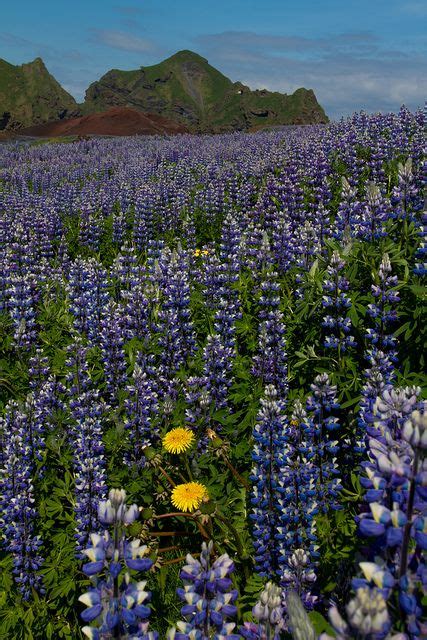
(212, 418)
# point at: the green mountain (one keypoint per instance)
(30, 95)
(186, 88)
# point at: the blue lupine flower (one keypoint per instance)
(337, 324)
(320, 427)
(116, 605)
(382, 311)
(269, 614)
(207, 596)
(267, 509)
(269, 364)
(395, 483)
(17, 512)
(141, 408)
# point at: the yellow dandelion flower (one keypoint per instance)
(178, 440)
(188, 497)
(197, 253)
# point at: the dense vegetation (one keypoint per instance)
(214, 346)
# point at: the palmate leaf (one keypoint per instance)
(320, 624)
(249, 596)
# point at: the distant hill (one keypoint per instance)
(186, 88)
(116, 121)
(29, 94)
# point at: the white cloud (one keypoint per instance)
(122, 40)
(414, 8)
(348, 72)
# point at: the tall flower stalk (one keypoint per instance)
(397, 518)
(117, 606)
(208, 598)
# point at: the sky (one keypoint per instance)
(369, 54)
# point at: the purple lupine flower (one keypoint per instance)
(217, 369)
(116, 605)
(141, 408)
(90, 226)
(77, 377)
(297, 501)
(269, 364)
(397, 521)
(379, 375)
(382, 311)
(87, 289)
(374, 213)
(22, 297)
(282, 243)
(266, 504)
(405, 197)
(38, 369)
(90, 476)
(306, 246)
(368, 618)
(421, 254)
(197, 399)
(176, 335)
(337, 324)
(269, 614)
(111, 340)
(207, 596)
(320, 426)
(125, 268)
(17, 511)
(226, 315)
(348, 211)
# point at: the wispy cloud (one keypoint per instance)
(348, 71)
(129, 10)
(414, 8)
(279, 43)
(122, 40)
(31, 49)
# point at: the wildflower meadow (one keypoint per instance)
(212, 383)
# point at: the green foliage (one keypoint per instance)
(225, 516)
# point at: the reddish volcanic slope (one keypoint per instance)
(117, 121)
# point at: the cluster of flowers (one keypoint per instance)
(295, 476)
(268, 223)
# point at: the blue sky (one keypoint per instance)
(368, 55)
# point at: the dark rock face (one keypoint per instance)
(4, 120)
(262, 113)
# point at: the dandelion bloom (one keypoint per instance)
(178, 440)
(188, 497)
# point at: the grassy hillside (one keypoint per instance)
(187, 88)
(29, 94)
(184, 88)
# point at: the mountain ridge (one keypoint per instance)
(183, 88)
